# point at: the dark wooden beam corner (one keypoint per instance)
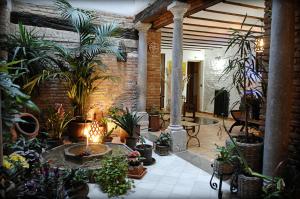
(31, 19)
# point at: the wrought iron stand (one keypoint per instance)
(215, 185)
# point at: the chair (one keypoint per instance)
(238, 116)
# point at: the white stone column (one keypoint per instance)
(142, 75)
(178, 134)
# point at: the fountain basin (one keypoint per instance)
(80, 153)
(56, 157)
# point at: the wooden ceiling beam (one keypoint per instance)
(185, 36)
(192, 49)
(190, 45)
(243, 5)
(233, 14)
(164, 38)
(223, 21)
(200, 31)
(217, 27)
(200, 43)
(195, 6)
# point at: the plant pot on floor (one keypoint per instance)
(76, 129)
(162, 150)
(146, 151)
(131, 142)
(249, 187)
(253, 151)
(78, 191)
(136, 170)
(223, 168)
(154, 122)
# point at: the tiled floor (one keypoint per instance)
(170, 177)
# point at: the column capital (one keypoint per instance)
(142, 27)
(178, 9)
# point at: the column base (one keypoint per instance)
(179, 138)
(144, 122)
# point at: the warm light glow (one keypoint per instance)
(259, 45)
(93, 133)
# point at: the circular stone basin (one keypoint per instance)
(80, 153)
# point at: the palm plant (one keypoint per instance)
(79, 68)
(243, 68)
(35, 52)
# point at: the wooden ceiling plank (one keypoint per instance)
(223, 21)
(205, 36)
(199, 42)
(232, 14)
(191, 40)
(243, 5)
(200, 31)
(217, 27)
(190, 45)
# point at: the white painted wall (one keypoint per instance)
(213, 63)
(188, 55)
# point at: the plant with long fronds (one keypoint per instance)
(242, 65)
(81, 68)
(126, 120)
(34, 51)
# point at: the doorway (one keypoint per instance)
(193, 88)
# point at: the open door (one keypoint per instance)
(193, 87)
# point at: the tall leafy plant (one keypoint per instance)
(242, 65)
(81, 69)
(12, 101)
(34, 50)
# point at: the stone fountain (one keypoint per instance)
(83, 155)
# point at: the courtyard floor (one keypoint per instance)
(170, 177)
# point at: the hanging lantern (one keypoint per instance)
(259, 44)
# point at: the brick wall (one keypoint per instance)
(294, 145)
(109, 93)
(153, 72)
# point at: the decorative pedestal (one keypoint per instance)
(215, 186)
(179, 138)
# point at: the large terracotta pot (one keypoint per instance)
(30, 128)
(76, 129)
(223, 168)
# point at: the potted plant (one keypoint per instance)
(75, 183)
(248, 82)
(162, 144)
(146, 151)
(154, 119)
(78, 67)
(56, 124)
(224, 163)
(129, 122)
(112, 176)
(135, 164)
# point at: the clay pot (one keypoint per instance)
(249, 187)
(162, 150)
(30, 128)
(224, 168)
(76, 129)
